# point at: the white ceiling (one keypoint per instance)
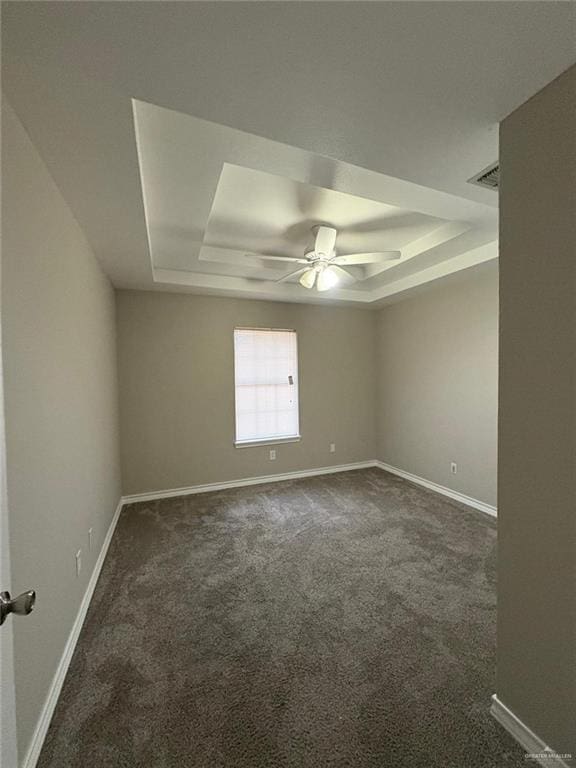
(213, 194)
(395, 94)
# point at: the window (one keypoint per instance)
(266, 384)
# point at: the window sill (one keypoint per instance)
(266, 441)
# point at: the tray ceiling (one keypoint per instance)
(215, 198)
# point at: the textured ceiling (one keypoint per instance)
(409, 90)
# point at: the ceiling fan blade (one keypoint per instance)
(220, 251)
(292, 274)
(325, 240)
(238, 257)
(292, 259)
(366, 258)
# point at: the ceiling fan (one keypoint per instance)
(323, 267)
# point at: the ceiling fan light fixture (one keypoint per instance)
(327, 279)
(308, 278)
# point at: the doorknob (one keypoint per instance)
(21, 605)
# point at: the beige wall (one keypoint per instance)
(177, 388)
(58, 319)
(537, 425)
(437, 383)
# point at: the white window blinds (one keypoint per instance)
(266, 382)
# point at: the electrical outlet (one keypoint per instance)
(453, 467)
(89, 539)
(78, 563)
(332, 447)
(272, 455)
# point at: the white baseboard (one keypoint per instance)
(57, 682)
(534, 746)
(207, 487)
(462, 498)
(172, 492)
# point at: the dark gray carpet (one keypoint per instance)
(344, 620)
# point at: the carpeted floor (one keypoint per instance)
(343, 620)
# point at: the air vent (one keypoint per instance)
(489, 177)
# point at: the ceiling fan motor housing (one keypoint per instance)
(311, 254)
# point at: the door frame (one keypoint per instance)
(8, 740)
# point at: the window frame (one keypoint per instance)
(251, 443)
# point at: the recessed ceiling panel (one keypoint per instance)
(257, 212)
